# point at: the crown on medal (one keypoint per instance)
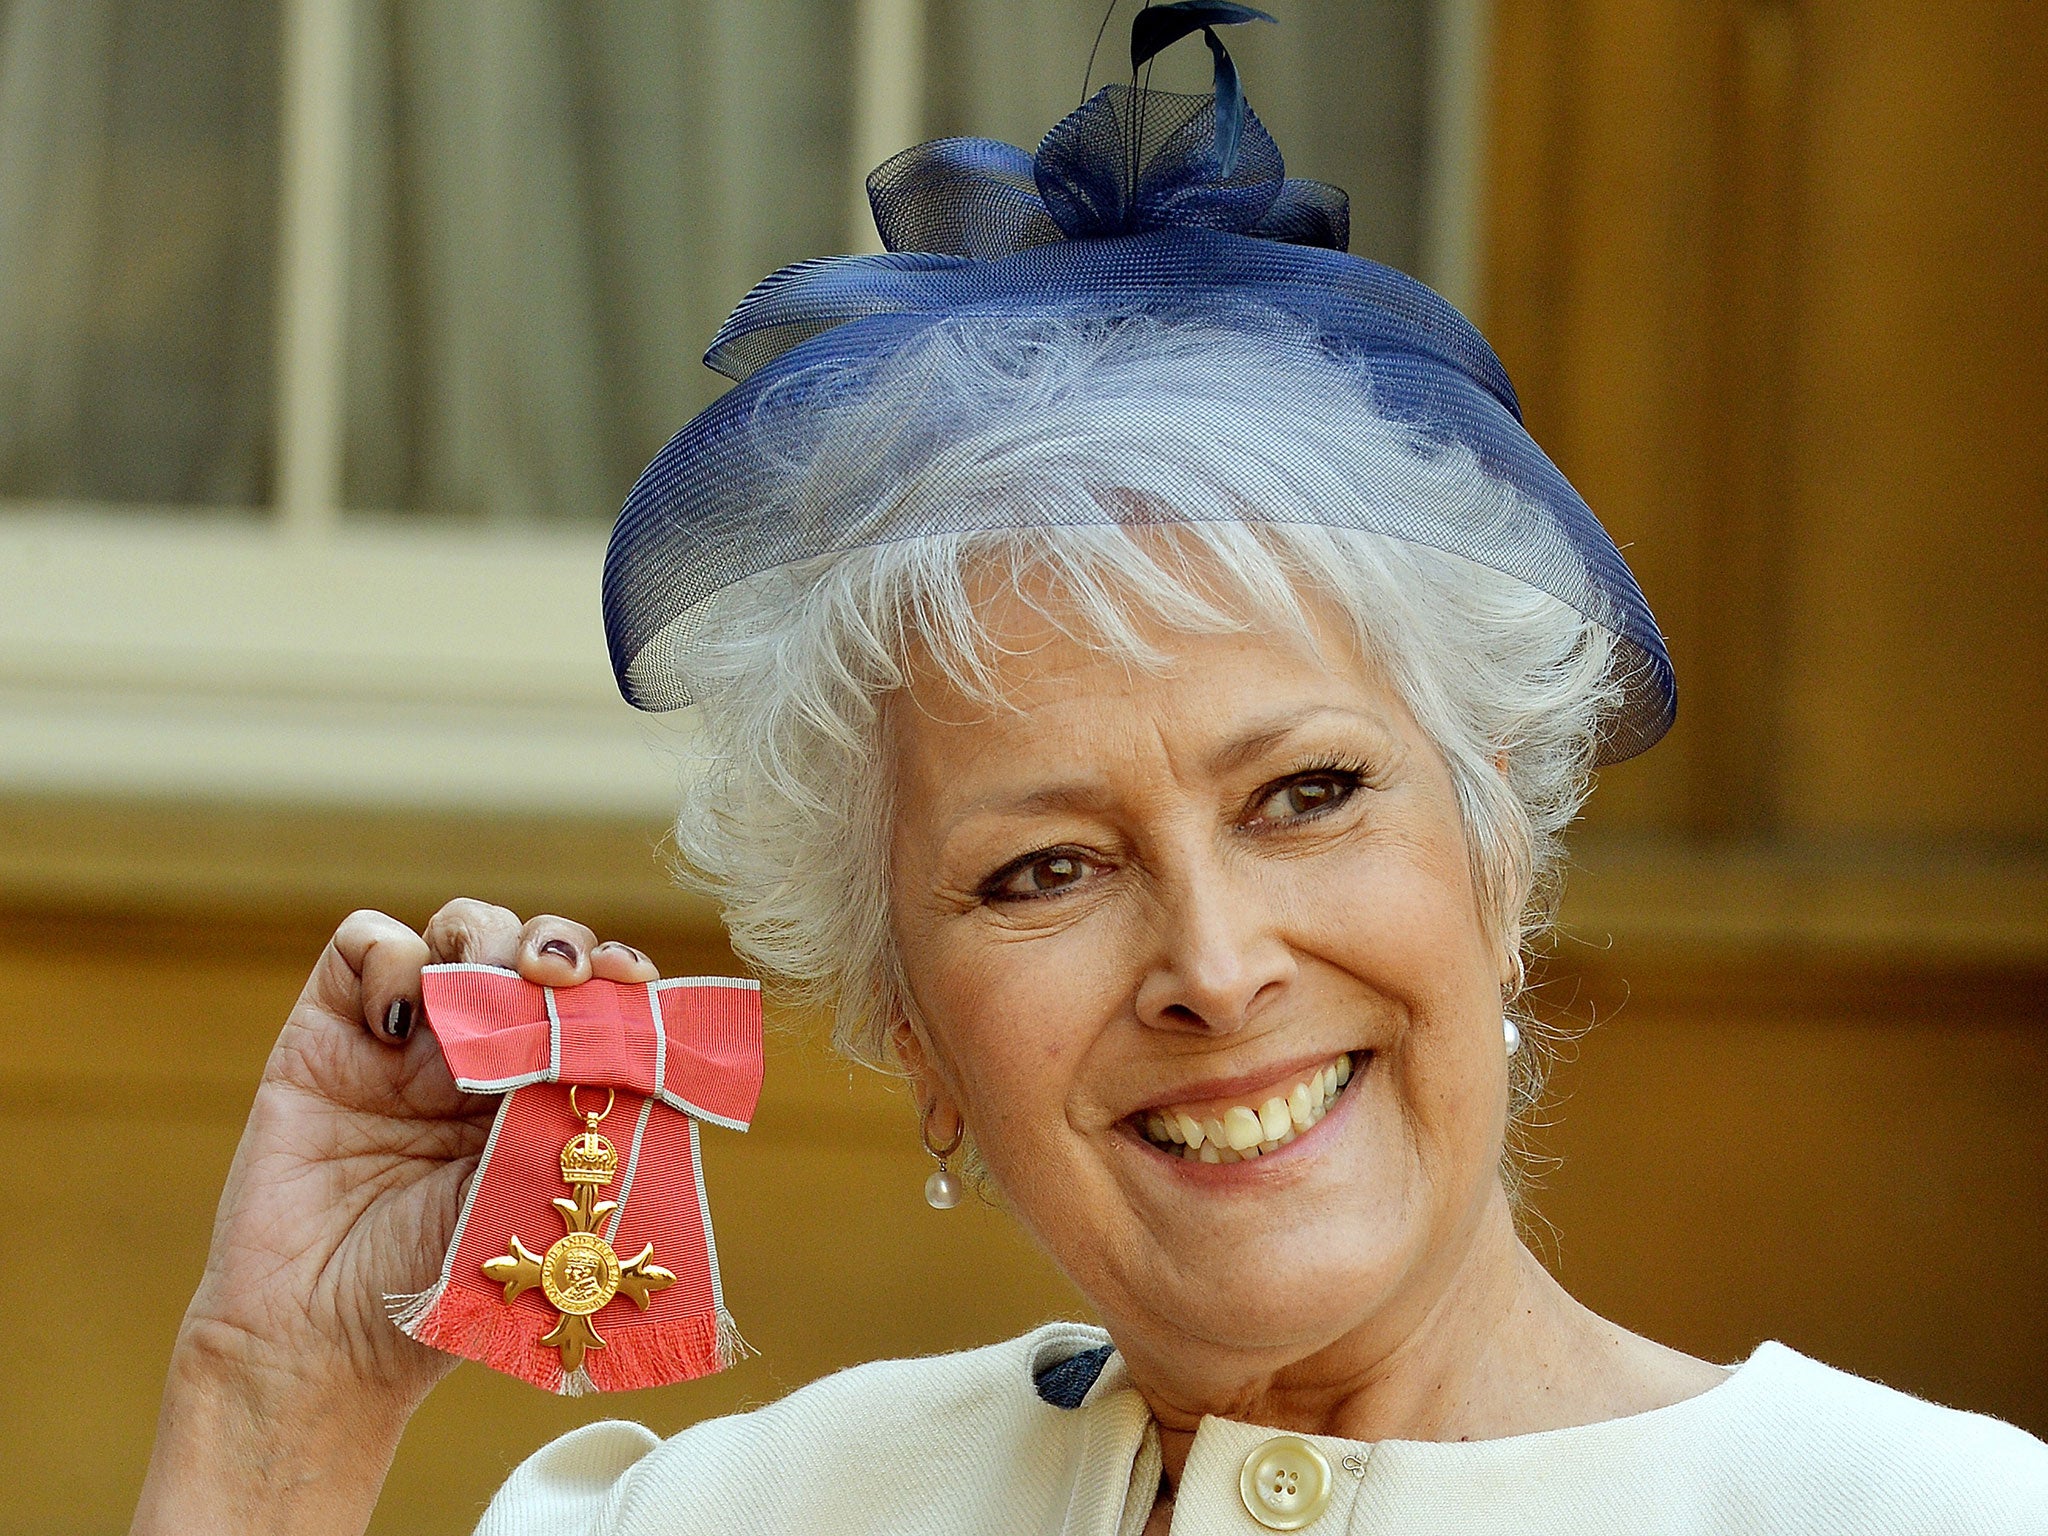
(589, 1159)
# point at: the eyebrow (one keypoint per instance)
(1261, 739)
(1080, 795)
(1072, 796)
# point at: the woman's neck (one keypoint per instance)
(1502, 1349)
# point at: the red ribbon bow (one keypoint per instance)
(672, 1053)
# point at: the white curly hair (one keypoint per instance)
(1176, 473)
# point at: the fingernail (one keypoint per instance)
(561, 949)
(624, 949)
(398, 1019)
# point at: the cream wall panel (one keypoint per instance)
(381, 664)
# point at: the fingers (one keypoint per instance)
(474, 932)
(372, 966)
(613, 961)
(555, 952)
(370, 971)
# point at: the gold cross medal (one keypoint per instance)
(581, 1273)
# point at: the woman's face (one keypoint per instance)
(1133, 905)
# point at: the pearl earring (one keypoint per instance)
(1512, 1033)
(942, 1189)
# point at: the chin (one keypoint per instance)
(1244, 1297)
(1271, 1332)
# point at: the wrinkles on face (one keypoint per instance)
(1115, 890)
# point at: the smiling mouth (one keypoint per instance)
(1235, 1133)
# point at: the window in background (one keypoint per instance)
(427, 282)
(485, 240)
(138, 235)
(551, 207)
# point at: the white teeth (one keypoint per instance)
(1241, 1128)
(1243, 1132)
(1273, 1118)
(1301, 1106)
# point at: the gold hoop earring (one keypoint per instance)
(942, 1189)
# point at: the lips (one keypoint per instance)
(1227, 1132)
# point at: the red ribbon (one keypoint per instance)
(674, 1053)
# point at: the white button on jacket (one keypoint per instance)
(1285, 1483)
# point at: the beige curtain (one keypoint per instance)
(555, 204)
(137, 225)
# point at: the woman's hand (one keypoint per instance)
(289, 1384)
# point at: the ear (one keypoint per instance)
(1511, 973)
(1511, 976)
(929, 1089)
(910, 1051)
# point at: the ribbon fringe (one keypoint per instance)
(482, 1328)
(654, 1355)
(408, 1308)
(732, 1347)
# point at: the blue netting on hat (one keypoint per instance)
(1131, 209)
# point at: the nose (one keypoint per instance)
(1220, 956)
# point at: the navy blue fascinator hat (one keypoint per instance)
(1141, 207)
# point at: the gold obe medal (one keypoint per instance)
(581, 1273)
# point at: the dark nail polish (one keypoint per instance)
(561, 949)
(624, 949)
(398, 1019)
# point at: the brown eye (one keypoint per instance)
(1041, 876)
(1050, 874)
(1305, 796)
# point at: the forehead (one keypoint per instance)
(1053, 696)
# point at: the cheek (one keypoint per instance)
(1406, 921)
(1409, 929)
(1449, 1075)
(1012, 1021)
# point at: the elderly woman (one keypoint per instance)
(1144, 671)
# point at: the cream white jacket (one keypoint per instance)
(965, 1445)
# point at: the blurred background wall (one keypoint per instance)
(331, 332)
